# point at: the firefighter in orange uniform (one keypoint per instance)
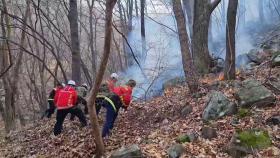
(120, 98)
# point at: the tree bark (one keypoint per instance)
(91, 35)
(75, 43)
(229, 72)
(202, 13)
(143, 35)
(188, 66)
(107, 45)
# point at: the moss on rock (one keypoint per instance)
(254, 138)
(243, 112)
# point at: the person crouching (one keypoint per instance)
(112, 103)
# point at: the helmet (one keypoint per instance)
(114, 75)
(71, 82)
(84, 85)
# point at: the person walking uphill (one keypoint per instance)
(120, 98)
(65, 101)
(51, 106)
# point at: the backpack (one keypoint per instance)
(65, 98)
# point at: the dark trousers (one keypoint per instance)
(50, 109)
(61, 114)
(111, 114)
(83, 103)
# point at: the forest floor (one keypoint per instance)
(153, 125)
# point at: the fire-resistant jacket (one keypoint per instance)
(125, 93)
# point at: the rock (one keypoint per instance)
(174, 82)
(274, 86)
(208, 132)
(274, 120)
(186, 111)
(246, 142)
(257, 56)
(275, 61)
(250, 66)
(218, 105)
(193, 136)
(253, 93)
(128, 152)
(175, 151)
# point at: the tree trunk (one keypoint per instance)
(75, 43)
(91, 35)
(202, 13)
(11, 79)
(107, 45)
(229, 71)
(188, 66)
(143, 36)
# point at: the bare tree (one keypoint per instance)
(143, 35)
(107, 45)
(75, 42)
(11, 79)
(229, 71)
(188, 66)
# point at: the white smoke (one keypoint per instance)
(163, 59)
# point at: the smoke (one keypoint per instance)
(162, 60)
(248, 27)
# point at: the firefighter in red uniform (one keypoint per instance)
(120, 98)
(51, 106)
(65, 100)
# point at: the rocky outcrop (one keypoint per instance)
(253, 93)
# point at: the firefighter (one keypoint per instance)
(111, 83)
(82, 93)
(112, 103)
(51, 106)
(65, 100)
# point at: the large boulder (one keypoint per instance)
(255, 56)
(175, 151)
(253, 93)
(128, 152)
(218, 105)
(246, 142)
(258, 56)
(174, 82)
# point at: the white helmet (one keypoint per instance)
(71, 82)
(84, 85)
(114, 75)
